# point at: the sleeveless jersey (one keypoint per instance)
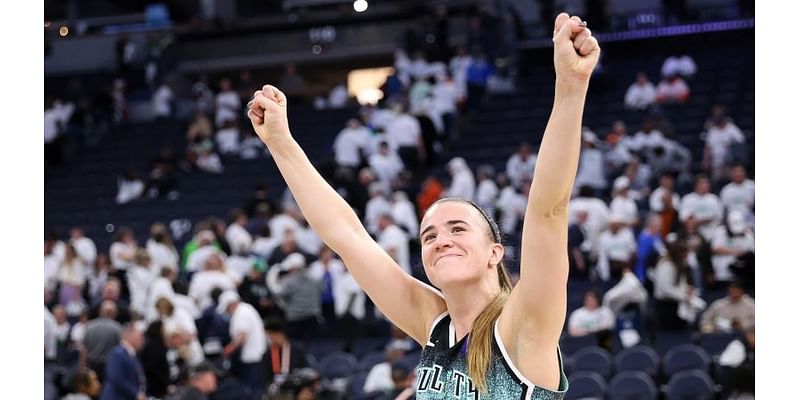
(442, 370)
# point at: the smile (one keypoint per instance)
(445, 256)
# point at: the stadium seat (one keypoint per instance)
(586, 384)
(689, 385)
(632, 385)
(369, 360)
(637, 358)
(685, 357)
(595, 359)
(337, 365)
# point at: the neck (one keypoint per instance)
(466, 303)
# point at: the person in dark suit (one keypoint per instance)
(283, 356)
(124, 376)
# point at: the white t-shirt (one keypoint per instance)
(379, 378)
(347, 144)
(591, 170)
(739, 196)
(228, 140)
(228, 107)
(672, 90)
(706, 206)
(518, 169)
(512, 204)
(393, 238)
(386, 167)
(403, 131)
(51, 127)
(344, 288)
(719, 141)
(197, 260)
(462, 185)
(280, 224)
(583, 321)
(628, 290)
(245, 320)
(404, 215)
(238, 238)
(376, 206)
(721, 262)
(620, 246)
(139, 281)
(203, 282)
(643, 141)
(50, 349)
(657, 202)
(86, 249)
(161, 101)
(625, 207)
(162, 256)
(116, 253)
(264, 246)
(487, 193)
(640, 97)
(161, 287)
(51, 263)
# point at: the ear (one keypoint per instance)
(496, 255)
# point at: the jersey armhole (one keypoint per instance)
(435, 322)
(563, 383)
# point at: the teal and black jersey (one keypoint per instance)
(442, 371)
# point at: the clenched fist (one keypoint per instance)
(576, 51)
(267, 113)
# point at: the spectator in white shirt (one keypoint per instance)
(647, 138)
(352, 144)
(721, 134)
(386, 164)
(731, 242)
(404, 134)
(623, 204)
(394, 241)
(129, 186)
(487, 192)
(641, 94)
(462, 184)
(248, 336)
(404, 215)
(84, 246)
(740, 193)
(212, 276)
(377, 205)
(591, 167)
(227, 137)
(228, 104)
(616, 247)
(672, 89)
(629, 290)
(160, 248)
(140, 277)
(703, 207)
(521, 164)
(123, 250)
(162, 101)
(679, 65)
(591, 317)
(666, 187)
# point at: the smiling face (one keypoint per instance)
(457, 246)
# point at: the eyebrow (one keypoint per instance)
(451, 222)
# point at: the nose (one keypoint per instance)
(442, 241)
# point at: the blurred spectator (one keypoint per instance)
(379, 378)
(124, 375)
(83, 385)
(650, 247)
(260, 195)
(576, 245)
(180, 328)
(283, 354)
(140, 277)
(155, 363)
(161, 287)
(79, 330)
(253, 290)
(123, 250)
(207, 159)
(615, 247)
(638, 174)
(327, 270)
(521, 164)
(597, 213)
(735, 312)
(430, 191)
(161, 250)
(287, 247)
(351, 148)
(487, 191)
(203, 95)
(386, 164)
(721, 135)
(129, 186)
(733, 250)
(202, 383)
(404, 215)
(666, 188)
(404, 135)
(737, 367)
(211, 276)
(628, 290)
(298, 294)
(228, 105)
(377, 205)
(641, 94)
(458, 68)
(162, 180)
(647, 138)
(56, 115)
(119, 101)
(239, 239)
(669, 156)
(591, 167)
(283, 222)
(511, 204)
(71, 277)
(592, 317)
(671, 285)
(111, 293)
(162, 101)
(682, 65)
(204, 243)
(672, 89)
(227, 137)
(479, 71)
(462, 184)
(264, 243)
(394, 241)
(199, 129)
(50, 339)
(418, 93)
(403, 379)
(248, 337)
(740, 193)
(84, 246)
(623, 204)
(338, 96)
(102, 334)
(703, 207)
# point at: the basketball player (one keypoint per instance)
(482, 338)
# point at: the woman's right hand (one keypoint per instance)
(267, 113)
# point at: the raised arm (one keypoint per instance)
(409, 303)
(536, 309)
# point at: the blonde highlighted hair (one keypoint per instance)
(481, 336)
